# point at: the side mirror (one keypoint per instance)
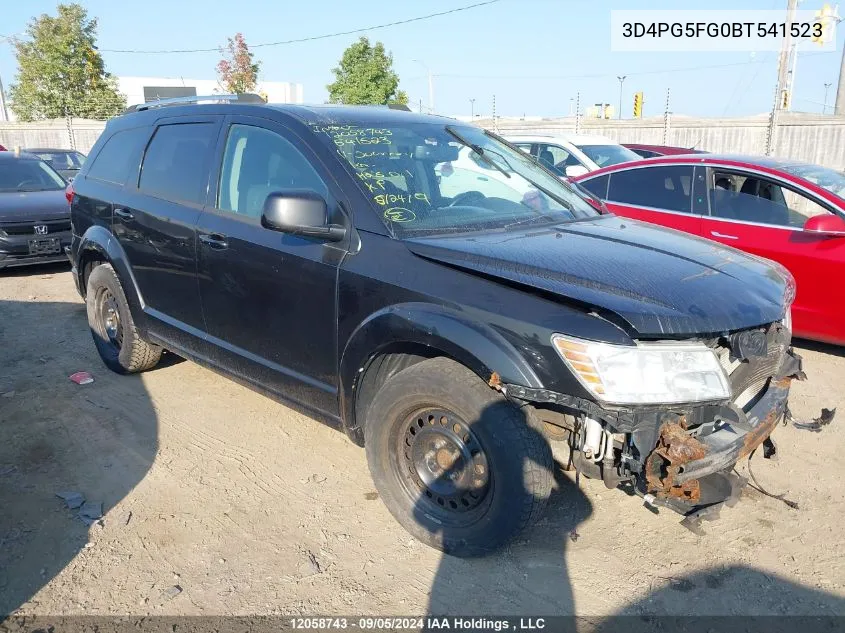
(573, 171)
(300, 212)
(827, 225)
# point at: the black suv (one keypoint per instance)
(428, 288)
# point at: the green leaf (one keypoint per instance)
(60, 71)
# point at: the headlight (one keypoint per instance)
(647, 373)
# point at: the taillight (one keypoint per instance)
(69, 193)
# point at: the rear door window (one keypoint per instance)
(174, 165)
(597, 186)
(119, 157)
(664, 187)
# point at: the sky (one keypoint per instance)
(534, 56)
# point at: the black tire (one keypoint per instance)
(112, 327)
(439, 407)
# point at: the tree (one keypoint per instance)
(60, 71)
(365, 76)
(237, 72)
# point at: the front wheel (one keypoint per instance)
(461, 468)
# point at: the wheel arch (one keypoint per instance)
(99, 246)
(400, 336)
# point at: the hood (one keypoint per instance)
(661, 281)
(22, 206)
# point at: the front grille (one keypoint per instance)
(750, 376)
(28, 228)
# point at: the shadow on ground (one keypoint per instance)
(98, 439)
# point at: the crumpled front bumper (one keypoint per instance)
(681, 461)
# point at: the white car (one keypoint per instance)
(573, 154)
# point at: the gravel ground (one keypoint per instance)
(218, 501)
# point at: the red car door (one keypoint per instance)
(765, 217)
(668, 195)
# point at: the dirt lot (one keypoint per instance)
(218, 500)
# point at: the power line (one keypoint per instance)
(306, 39)
(612, 74)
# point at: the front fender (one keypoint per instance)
(452, 333)
(99, 243)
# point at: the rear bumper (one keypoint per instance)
(15, 249)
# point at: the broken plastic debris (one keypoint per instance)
(73, 500)
(172, 592)
(82, 378)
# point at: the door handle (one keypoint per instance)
(123, 213)
(214, 240)
(723, 236)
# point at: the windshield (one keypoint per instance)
(62, 160)
(604, 155)
(28, 175)
(434, 178)
(825, 178)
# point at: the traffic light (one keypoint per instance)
(826, 19)
(638, 105)
(784, 99)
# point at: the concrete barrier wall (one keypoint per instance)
(51, 134)
(810, 138)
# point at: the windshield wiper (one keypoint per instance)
(531, 219)
(478, 150)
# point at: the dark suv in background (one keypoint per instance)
(311, 252)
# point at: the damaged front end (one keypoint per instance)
(680, 456)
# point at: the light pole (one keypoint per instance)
(621, 81)
(430, 87)
(826, 88)
(471, 109)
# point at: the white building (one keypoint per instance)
(144, 89)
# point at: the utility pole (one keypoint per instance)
(826, 88)
(840, 91)
(472, 109)
(430, 86)
(3, 112)
(783, 96)
(621, 81)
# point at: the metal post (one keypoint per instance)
(621, 81)
(430, 93)
(790, 84)
(826, 88)
(70, 136)
(577, 112)
(472, 109)
(495, 120)
(666, 120)
(840, 90)
(773, 115)
(783, 60)
(3, 112)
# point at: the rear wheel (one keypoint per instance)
(115, 335)
(457, 465)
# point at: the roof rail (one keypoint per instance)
(227, 98)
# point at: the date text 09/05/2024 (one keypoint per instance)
(807, 30)
(416, 623)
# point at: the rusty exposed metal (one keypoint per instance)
(495, 381)
(675, 447)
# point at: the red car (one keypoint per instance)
(793, 213)
(650, 151)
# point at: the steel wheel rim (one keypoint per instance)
(442, 463)
(108, 314)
